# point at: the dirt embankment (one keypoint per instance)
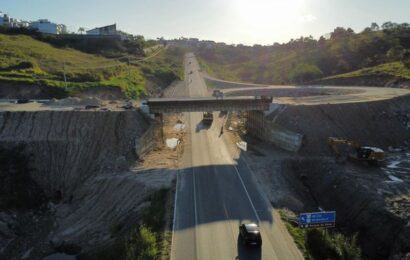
(366, 202)
(371, 201)
(14, 91)
(81, 161)
(380, 123)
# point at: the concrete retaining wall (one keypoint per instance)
(288, 140)
(263, 128)
(146, 142)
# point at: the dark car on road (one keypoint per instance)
(250, 234)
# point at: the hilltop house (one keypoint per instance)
(105, 30)
(7, 21)
(45, 26)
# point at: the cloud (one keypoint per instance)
(308, 18)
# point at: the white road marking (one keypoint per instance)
(175, 215)
(247, 194)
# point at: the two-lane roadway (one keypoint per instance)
(215, 193)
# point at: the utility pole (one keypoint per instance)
(65, 78)
(129, 67)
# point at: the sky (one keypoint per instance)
(230, 21)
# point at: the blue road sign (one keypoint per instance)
(317, 219)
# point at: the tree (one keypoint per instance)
(374, 26)
(81, 30)
(395, 53)
(389, 26)
(406, 59)
(340, 32)
(142, 245)
(304, 73)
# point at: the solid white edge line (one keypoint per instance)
(175, 217)
(247, 194)
(264, 197)
(195, 214)
(253, 207)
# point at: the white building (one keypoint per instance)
(105, 30)
(45, 26)
(4, 20)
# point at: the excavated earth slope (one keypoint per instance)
(371, 201)
(379, 123)
(82, 162)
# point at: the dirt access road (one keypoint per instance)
(308, 95)
(216, 192)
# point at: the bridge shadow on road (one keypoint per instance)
(218, 198)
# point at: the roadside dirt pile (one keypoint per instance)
(380, 123)
(75, 102)
(81, 161)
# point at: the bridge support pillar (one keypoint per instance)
(159, 118)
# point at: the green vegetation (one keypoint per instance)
(142, 245)
(396, 69)
(108, 47)
(145, 241)
(24, 60)
(306, 59)
(164, 66)
(321, 243)
(304, 72)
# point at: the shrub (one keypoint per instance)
(304, 73)
(142, 245)
(406, 59)
(323, 245)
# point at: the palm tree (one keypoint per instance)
(81, 30)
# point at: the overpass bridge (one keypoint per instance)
(208, 104)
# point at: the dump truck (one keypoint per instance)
(372, 155)
(208, 118)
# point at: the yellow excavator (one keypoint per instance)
(372, 155)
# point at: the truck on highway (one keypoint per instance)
(208, 118)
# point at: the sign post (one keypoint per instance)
(317, 219)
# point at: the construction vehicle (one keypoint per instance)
(208, 118)
(371, 155)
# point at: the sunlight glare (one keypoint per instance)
(263, 12)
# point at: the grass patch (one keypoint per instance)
(321, 243)
(165, 67)
(396, 69)
(210, 84)
(219, 71)
(26, 61)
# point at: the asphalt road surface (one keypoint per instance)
(216, 193)
(334, 94)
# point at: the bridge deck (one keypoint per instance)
(208, 104)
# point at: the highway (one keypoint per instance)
(216, 192)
